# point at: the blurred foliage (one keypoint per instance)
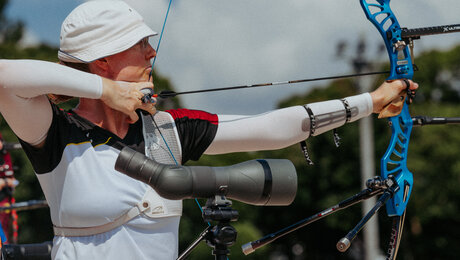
(10, 31)
(432, 222)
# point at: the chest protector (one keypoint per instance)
(162, 145)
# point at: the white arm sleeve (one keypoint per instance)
(283, 127)
(23, 86)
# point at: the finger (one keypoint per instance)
(133, 117)
(148, 96)
(410, 88)
(139, 95)
(143, 85)
(149, 108)
(403, 83)
(396, 84)
(410, 84)
(146, 88)
(406, 81)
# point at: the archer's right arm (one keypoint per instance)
(23, 88)
(25, 83)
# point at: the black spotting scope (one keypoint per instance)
(263, 182)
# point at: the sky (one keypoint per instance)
(222, 43)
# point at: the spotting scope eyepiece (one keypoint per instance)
(264, 182)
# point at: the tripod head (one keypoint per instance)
(220, 236)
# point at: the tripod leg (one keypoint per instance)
(221, 252)
(189, 249)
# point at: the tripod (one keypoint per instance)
(219, 237)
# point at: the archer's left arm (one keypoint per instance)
(284, 127)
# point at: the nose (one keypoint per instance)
(151, 53)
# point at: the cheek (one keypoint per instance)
(129, 73)
(128, 70)
(128, 66)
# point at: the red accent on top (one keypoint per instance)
(193, 114)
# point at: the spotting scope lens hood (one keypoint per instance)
(264, 182)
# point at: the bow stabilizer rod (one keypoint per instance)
(426, 120)
(416, 33)
(374, 186)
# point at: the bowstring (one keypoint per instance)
(161, 37)
(150, 77)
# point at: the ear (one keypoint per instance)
(100, 67)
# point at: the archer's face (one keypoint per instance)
(133, 64)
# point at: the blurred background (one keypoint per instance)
(218, 43)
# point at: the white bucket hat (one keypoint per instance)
(101, 28)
